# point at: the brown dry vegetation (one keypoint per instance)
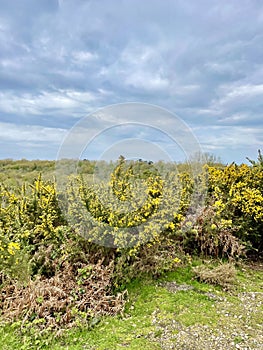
(75, 294)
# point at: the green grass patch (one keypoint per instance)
(151, 309)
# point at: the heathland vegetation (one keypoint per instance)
(73, 249)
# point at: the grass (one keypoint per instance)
(153, 313)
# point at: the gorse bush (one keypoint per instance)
(30, 218)
(135, 206)
(59, 232)
(236, 193)
(140, 219)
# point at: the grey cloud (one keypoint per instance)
(60, 60)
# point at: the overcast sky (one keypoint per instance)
(61, 60)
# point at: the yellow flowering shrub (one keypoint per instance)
(237, 195)
(136, 206)
(137, 214)
(28, 218)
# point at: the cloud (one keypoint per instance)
(31, 133)
(61, 101)
(29, 141)
(243, 94)
(83, 57)
(61, 60)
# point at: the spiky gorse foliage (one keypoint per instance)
(30, 214)
(136, 206)
(37, 243)
(50, 277)
(237, 196)
(27, 218)
(138, 221)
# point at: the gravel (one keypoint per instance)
(240, 325)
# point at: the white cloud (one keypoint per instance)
(147, 81)
(46, 102)
(83, 57)
(225, 138)
(30, 133)
(240, 92)
(138, 67)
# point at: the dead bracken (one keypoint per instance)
(63, 300)
(223, 275)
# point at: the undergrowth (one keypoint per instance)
(156, 318)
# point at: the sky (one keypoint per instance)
(65, 60)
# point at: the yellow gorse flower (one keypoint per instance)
(13, 247)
